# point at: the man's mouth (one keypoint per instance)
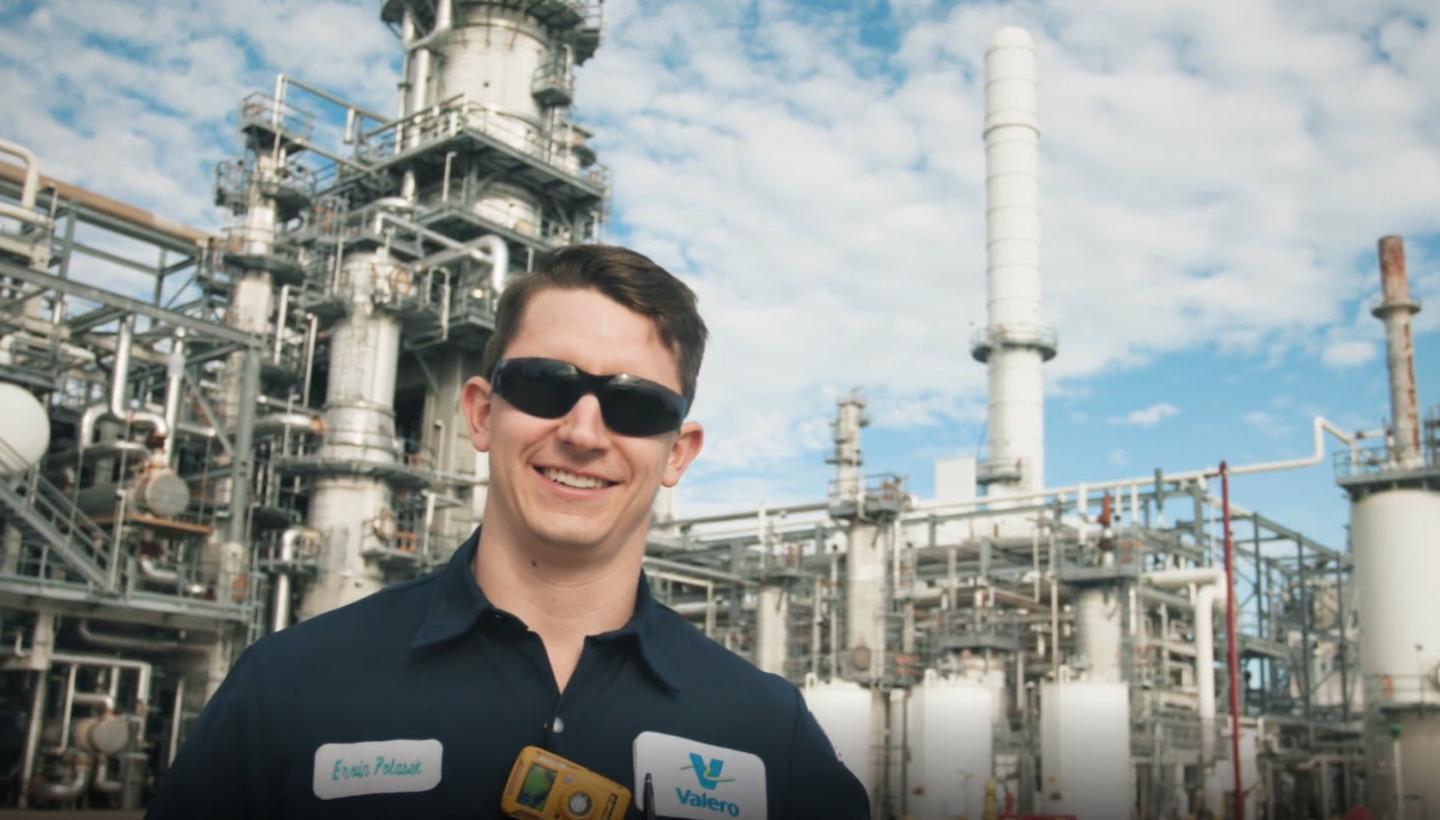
(576, 481)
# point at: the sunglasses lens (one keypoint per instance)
(548, 388)
(640, 408)
(540, 387)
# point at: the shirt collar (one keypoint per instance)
(458, 603)
(645, 628)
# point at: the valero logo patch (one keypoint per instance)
(698, 780)
(708, 774)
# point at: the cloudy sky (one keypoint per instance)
(1215, 176)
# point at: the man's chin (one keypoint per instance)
(579, 539)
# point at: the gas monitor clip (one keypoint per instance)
(546, 786)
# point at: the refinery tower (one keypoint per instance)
(207, 437)
(277, 431)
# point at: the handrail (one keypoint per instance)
(449, 118)
(57, 508)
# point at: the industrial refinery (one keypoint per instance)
(271, 428)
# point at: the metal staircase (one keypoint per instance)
(42, 512)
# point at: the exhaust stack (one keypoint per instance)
(1395, 309)
(1015, 342)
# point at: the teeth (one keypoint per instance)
(579, 482)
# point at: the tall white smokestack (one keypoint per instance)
(1015, 341)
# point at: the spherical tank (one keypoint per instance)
(1394, 537)
(24, 429)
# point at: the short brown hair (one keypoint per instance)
(630, 279)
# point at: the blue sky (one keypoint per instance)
(1214, 179)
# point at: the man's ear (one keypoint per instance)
(683, 450)
(476, 402)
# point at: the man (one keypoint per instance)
(541, 630)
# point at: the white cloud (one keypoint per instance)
(1147, 416)
(1117, 457)
(1348, 353)
(1266, 424)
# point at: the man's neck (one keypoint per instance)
(561, 598)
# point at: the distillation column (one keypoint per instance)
(1099, 632)
(509, 71)
(249, 255)
(1015, 341)
(1394, 516)
(490, 58)
(865, 599)
(351, 505)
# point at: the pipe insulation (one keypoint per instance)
(30, 175)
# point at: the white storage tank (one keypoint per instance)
(850, 715)
(950, 748)
(1397, 561)
(1396, 549)
(1085, 750)
(24, 429)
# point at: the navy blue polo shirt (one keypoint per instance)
(428, 678)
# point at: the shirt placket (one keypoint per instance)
(566, 702)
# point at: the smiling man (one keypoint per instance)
(541, 630)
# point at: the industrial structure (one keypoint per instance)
(207, 437)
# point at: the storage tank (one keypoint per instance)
(850, 715)
(1397, 561)
(1393, 539)
(1085, 750)
(24, 430)
(950, 748)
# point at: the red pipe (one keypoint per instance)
(1232, 646)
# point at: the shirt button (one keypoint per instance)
(558, 726)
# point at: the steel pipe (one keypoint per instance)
(279, 423)
(154, 572)
(115, 409)
(32, 735)
(174, 385)
(143, 669)
(280, 601)
(101, 781)
(31, 184)
(57, 792)
(109, 641)
(104, 700)
(30, 217)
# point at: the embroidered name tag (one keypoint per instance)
(376, 767)
(697, 780)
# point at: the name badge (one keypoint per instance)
(376, 767)
(697, 780)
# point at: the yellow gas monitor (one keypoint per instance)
(546, 786)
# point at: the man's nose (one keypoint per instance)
(584, 427)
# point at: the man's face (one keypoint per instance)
(571, 481)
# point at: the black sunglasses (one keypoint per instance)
(548, 388)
